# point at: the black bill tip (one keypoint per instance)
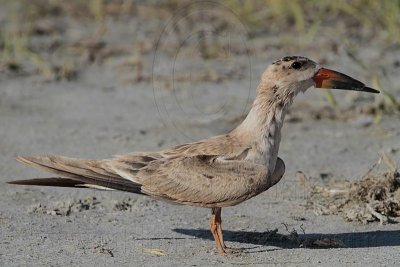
(370, 90)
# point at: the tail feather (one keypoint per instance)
(78, 172)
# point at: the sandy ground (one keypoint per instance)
(100, 114)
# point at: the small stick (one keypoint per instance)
(382, 218)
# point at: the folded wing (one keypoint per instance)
(205, 181)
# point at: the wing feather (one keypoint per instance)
(200, 180)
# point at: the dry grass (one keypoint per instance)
(375, 197)
(312, 17)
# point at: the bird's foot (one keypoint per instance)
(228, 251)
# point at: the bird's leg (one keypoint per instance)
(216, 212)
(216, 230)
(218, 221)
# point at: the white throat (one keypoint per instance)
(262, 128)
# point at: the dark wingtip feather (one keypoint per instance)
(80, 173)
(61, 182)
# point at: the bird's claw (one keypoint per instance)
(228, 251)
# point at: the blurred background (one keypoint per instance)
(136, 41)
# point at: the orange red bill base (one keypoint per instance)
(326, 78)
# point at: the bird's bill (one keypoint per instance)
(326, 78)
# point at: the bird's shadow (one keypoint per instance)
(316, 241)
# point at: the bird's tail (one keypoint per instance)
(76, 173)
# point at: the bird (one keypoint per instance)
(216, 172)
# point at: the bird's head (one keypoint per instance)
(290, 75)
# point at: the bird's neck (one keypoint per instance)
(262, 127)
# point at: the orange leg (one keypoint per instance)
(216, 230)
(218, 220)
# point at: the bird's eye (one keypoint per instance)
(296, 65)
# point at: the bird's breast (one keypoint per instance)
(265, 151)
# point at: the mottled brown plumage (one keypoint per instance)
(216, 172)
